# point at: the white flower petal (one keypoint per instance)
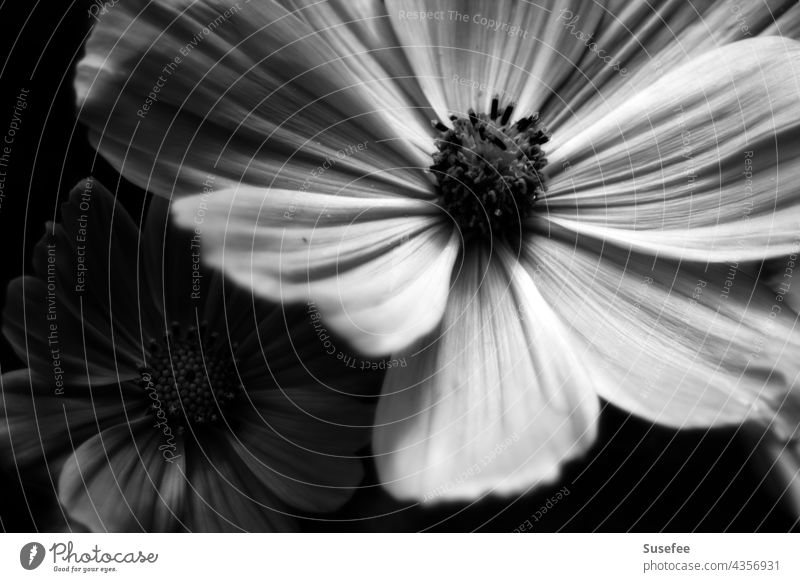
(377, 268)
(177, 94)
(681, 345)
(363, 27)
(703, 165)
(636, 43)
(570, 61)
(496, 403)
(470, 51)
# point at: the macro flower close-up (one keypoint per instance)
(169, 402)
(478, 188)
(360, 266)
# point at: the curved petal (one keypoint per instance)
(83, 306)
(702, 165)
(496, 403)
(175, 278)
(120, 481)
(466, 52)
(679, 344)
(570, 61)
(301, 444)
(636, 43)
(378, 269)
(225, 495)
(363, 28)
(80, 354)
(192, 293)
(39, 420)
(179, 94)
(286, 348)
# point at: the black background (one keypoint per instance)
(638, 477)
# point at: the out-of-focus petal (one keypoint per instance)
(225, 496)
(79, 354)
(82, 308)
(40, 420)
(172, 273)
(121, 481)
(301, 443)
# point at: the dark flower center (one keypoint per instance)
(489, 171)
(188, 378)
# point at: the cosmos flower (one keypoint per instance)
(537, 204)
(161, 398)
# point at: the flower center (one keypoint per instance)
(188, 379)
(489, 171)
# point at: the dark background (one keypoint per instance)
(638, 477)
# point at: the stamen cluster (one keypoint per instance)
(193, 378)
(489, 170)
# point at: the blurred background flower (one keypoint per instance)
(162, 399)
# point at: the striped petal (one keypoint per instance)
(119, 481)
(178, 94)
(301, 444)
(702, 165)
(378, 269)
(496, 402)
(83, 308)
(637, 43)
(679, 344)
(465, 52)
(225, 496)
(39, 419)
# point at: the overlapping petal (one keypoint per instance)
(225, 496)
(637, 43)
(703, 165)
(301, 444)
(40, 419)
(178, 94)
(679, 344)
(120, 481)
(465, 53)
(377, 268)
(80, 310)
